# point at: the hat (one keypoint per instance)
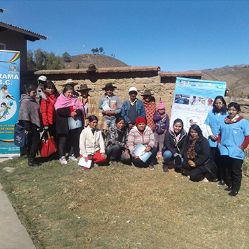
(83, 87)
(146, 92)
(160, 105)
(109, 86)
(42, 78)
(132, 89)
(140, 120)
(69, 82)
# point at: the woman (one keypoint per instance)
(92, 146)
(173, 145)
(29, 118)
(141, 134)
(116, 140)
(161, 120)
(196, 155)
(69, 123)
(234, 140)
(213, 122)
(47, 107)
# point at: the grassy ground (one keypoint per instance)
(124, 207)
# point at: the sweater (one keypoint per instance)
(47, 110)
(90, 143)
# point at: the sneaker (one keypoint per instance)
(233, 193)
(165, 168)
(63, 160)
(205, 180)
(72, 158)
(151, 167)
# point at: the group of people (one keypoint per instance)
(111, 131)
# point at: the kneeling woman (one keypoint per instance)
(142, 134)
(234, 140)
(173, 145)
(196, 155)
(92, 146)
(116, 140)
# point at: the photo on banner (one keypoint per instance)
(193, 99)
(9, 101)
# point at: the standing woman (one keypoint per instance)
(234, 140)
(197, 158)
(47, 107)
(69, 123)
(29, 118)
(173, 145)
(213, 122)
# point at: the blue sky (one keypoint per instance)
(175, 35)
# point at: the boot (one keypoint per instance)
(31, 162)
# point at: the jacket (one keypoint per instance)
(126, 107)
(47, 110)
(161, 124)
(115, 137)
(90, 143)
(135, 137)
(171, 144)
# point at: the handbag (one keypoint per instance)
(20, 137)
(74, 123)
(48, 146)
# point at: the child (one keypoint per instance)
(161, 120)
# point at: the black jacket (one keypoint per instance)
(171, 144)
(62, 115)
(202, 151)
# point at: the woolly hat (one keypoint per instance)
(140, 120)
(160, 105)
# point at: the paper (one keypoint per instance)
(105, 107)
(83, 163)
(141, 153)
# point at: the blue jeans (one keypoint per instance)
(167, 156)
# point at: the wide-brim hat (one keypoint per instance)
(69, 82)
(83, 87)
(109, 86)
(147, 92)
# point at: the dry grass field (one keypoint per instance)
(121, 206)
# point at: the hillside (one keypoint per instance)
(83, 61)
(237, 78)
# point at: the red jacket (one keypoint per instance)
(47, 110)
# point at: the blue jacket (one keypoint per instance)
(126, 107)
(232, 136)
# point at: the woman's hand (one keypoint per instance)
(73, 114)
(148, 148)
(103, 155)
(213, 138)
(191, 163)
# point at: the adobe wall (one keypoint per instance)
(161, 90)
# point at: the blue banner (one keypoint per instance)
(9, 100)
(193, 99)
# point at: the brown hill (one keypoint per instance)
(237, 78)
(83, 61)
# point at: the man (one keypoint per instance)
(110, 105)
(40, 88)
(132, 108)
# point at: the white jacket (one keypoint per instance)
(90, 143)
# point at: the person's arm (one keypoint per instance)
(119, 106)
(44, 112)
(124, 113)
(152, 138)
(64, 112)
(131, 142)
(204, 155)
(82, 144)
(143, 113)
(245, 143)
(101, 143)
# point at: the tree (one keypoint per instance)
(30, 61)
(95, 50)
(66, 57)
(101, 50)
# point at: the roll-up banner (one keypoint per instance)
(9, 101)
(193, 99)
